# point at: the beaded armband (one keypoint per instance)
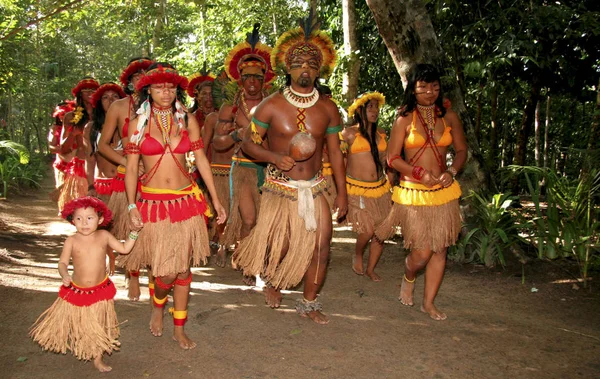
(333, 129)
(197, 145)
(132, 148)
(418, 172)
(256, 138)
(392, 159)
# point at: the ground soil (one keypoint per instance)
(497, 327)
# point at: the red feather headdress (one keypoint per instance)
(198, 78)
(110, 86)
(139, 65)
(250, 48)
(162, 74)
(61, 110)
(87, 202)
(87, 83)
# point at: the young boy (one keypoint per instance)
(83, 318)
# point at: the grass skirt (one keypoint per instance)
(118, 205)
(221, 179)
(245, 180)
(81, 320)
(330, 192)
(174, 235)
(429, 218)
(279, 230)
(75, 185)
(369, 203)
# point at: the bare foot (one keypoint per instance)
(272, 297)
(317, 317)
(357, 265)
(433, 312)
(373, 275)
(184, 341)
(221, 257)
(100, 365)
(249, 280)
(156, 322)
(406, 292)
(133, 287)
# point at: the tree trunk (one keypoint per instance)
(493, 149)
(350, 80)
(527, 122)
(537, 134)
(594, 139)
(547, 128)
(408, 33)
(161, 13)
(478, 113)
(313, 6)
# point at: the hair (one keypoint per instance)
(129, 88)
(99, 116)
(195, 106)
(360, 117)
(426, 73)
(144, 95)
(79, 103)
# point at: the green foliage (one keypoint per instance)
(18, 169)
(568, 226)
(492, 230)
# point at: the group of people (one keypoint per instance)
(246, 171)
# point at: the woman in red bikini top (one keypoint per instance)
(426, 200)
(171, 208)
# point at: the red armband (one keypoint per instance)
(132, 148)
(392, 159)
(197, 145)
(418, 172)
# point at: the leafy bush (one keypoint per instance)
(491, 230)
(18, 170)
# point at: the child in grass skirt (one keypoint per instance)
(83, 319)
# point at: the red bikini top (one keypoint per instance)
(151, 146)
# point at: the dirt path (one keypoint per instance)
(497, 327)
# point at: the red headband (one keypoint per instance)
(87, 202)
(162, 74)
(136, 66)
(196, 80)
(85, 84)
(61, 110)
(97, 96)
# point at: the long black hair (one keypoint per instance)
(129, 87)
(99, 116)
(425, 73)
(79, 103)
(360, 117)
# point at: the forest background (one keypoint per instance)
(523, 75)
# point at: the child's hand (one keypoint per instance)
(67, 281)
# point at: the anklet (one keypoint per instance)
(306, 306)
(410, 281)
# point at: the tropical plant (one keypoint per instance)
(14, 159)
(492, 230)
(569, 225)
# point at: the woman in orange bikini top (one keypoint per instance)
(426, 200)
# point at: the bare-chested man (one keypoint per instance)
(291, 239)
(249, 64)
(117, 121)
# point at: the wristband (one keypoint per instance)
(133, 235)
(131, 206)
(418, 172)
(452, 171)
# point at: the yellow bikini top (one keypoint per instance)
(361, 144)
(415, 139)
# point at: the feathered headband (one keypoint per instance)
(240, 57)
(139, 65)
(364, 99)
(62, 109)
(203, 76)
(162, 74)
(97, 96)
(87, 202)
(87, 83)
(305, 39)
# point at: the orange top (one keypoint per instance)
(361, 144)
(415, 139)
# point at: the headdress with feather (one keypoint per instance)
(198, 78)
(305, 39)
(248, 53)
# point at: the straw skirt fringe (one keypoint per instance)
(221, 180)
(245, 180)
(278, 229)
(75, 185)
(85, 331)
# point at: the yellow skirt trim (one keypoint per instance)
(410, 193)
(194, 190)
(238, 159)
(327, 170)
(367, 189)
